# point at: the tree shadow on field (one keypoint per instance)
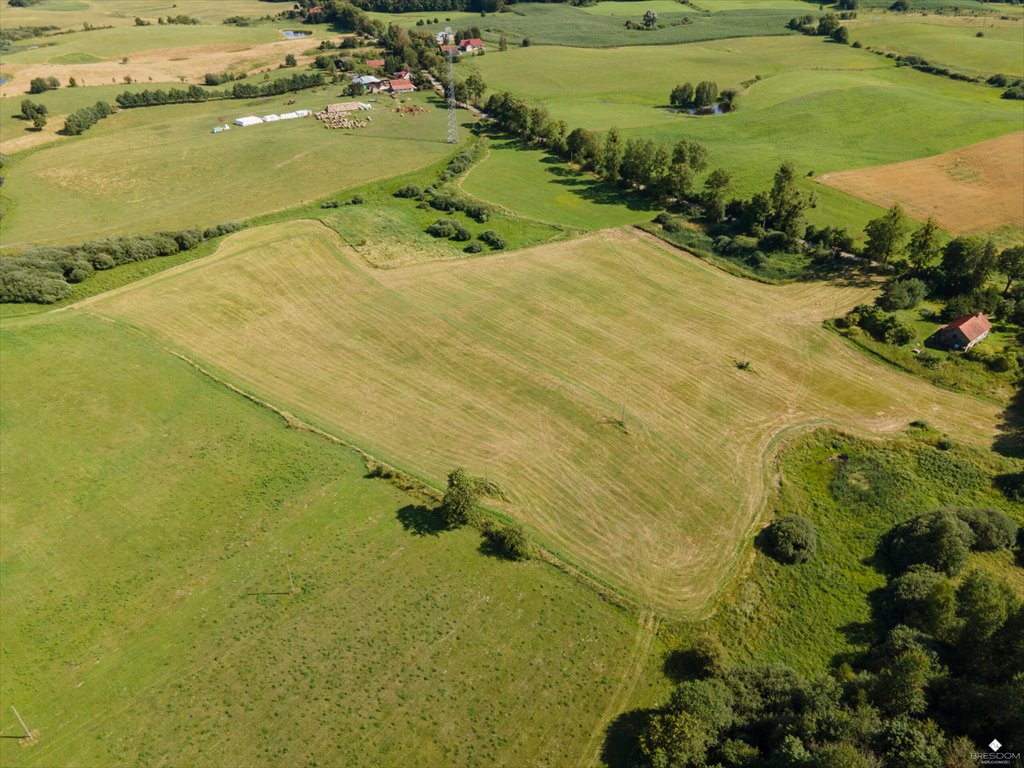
(621, 739)
(684, 664)
(420, 520)
(1010, 438)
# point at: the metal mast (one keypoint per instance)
(453, 122)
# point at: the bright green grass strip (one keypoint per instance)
(540, 186)
(153, 524)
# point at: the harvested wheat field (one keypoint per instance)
(167, 65)
(972, 189)
(595, 381)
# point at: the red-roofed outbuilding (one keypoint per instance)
(965, 332)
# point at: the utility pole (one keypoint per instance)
(453, 121)
(28, 733)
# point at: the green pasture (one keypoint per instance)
(536, 184)
(825, 107)
(73, 13)
(563, 24)
(813, 615)
(949, 41)
(156, 168)
(154, 525)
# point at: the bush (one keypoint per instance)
(938, 539)
(43, 84)
(791, 539)
(774, 242)
(993, 530)
(459, 504)
(442, 228)
(357, 200)
(330, 204)
(508, 541)
(461, 234)
(474, 247)
(409, 190)
(493, 239)
(902, 294)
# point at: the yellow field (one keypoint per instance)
(973, 189)
(519, 366)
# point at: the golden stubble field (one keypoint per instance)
(518, 366)
(973, 189)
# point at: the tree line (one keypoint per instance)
(85, 118)
(44, 275)
(156, 97)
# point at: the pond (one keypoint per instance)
(719, 109)
(293, 34)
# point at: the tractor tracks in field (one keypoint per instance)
(647, 629)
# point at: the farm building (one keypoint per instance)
(400, 86)
(965, 332)
(404, 74)
(450, 49)
(250, 120)
(471, 45)
(366, 80)
(375, 63)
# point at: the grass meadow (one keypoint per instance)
(949, 41)
(121, 13)
(525, 368)
(837, 107)
(562, 24)
(153, 526)
(816, 614)
(181, 175)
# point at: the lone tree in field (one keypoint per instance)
(289, 60)
(459, 504)
(791, 539)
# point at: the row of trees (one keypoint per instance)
(827, 26)
(85, 118)
(943, 675)
(45, 275)
(150, 98)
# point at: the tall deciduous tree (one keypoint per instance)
(460, 499)
(1011, 264)
(787, 202)
(924, 244)
(885, 235)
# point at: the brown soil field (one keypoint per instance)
(969, 190)
(165, 65)
(594, 380)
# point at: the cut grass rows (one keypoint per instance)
(519, 366)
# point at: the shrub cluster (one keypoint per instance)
(43, 84)
(508, 541)
(449, 200)
(879, 323)
(449, 228)
(791, 539)
(219, 78)
(44, 275)
(493, 239)
(85, 118)
(409, 191)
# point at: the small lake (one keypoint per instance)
(3, 80)
(293, 34)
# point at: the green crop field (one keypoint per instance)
(153, 526)
(181, 175)
(563, 24)
(528, 368)
(949, 41)
(837, 107)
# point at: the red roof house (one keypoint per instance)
(453, 49)
(965, 332)
(471, 44)
(399, 86)
(375, 63)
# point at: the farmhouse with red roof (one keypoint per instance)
(400, 86)
(965, 332)
(375, 63)
(471, 45)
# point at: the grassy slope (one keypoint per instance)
(121, 13)
(949, 41)
(837, 107)
(149, 522)
(181, 175)
(563, 24)
(516, 365)
(812, 615)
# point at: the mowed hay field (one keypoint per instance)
(520, 366)
(823, 106)
(974, 189)
(154, 168)
(152, 526)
